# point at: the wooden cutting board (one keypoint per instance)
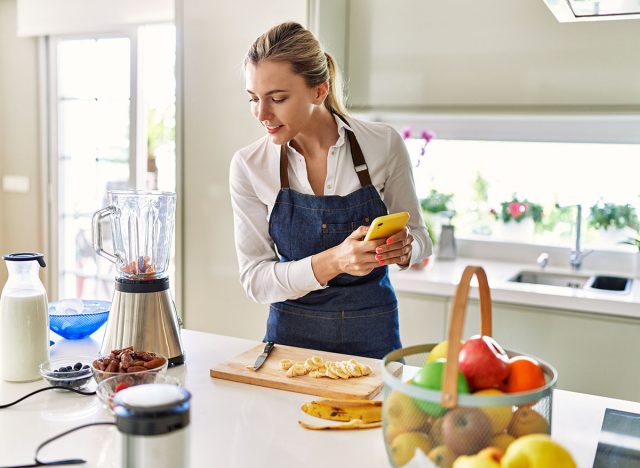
(271, 374)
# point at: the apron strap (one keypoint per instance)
(284, 167)
(359, 163)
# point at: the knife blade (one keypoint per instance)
(263, 357)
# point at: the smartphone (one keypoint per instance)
(385, 226)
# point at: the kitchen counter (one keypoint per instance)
(237, 425)
(441, 277)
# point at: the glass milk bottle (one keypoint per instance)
(24, 319)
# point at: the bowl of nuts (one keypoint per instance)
(127, 361)
(74, 372)
(108, 388)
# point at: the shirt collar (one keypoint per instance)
(342, 130)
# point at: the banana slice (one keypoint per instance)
(285, 364)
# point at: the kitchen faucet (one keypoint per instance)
(575, 260)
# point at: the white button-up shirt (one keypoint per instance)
(255, 182)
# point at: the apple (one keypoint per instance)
(466, 430)
(431, 377)
(483, 362)
(491, 453)
(474, 461)
(537, 451)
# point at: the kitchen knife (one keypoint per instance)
(263, 357)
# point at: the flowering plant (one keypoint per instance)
(518, 210)
(425, 135)
(606, 215)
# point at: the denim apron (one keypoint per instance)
(355, 314)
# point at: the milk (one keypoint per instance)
(24, 334)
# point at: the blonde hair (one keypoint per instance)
(292, 43)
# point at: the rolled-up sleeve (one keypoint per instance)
(263, 276)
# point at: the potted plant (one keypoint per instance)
(433, 207)
(518, 218)
(613, 221)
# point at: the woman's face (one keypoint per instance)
(281, 100)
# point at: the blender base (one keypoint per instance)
(143, 315)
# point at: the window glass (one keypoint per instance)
(496, 188)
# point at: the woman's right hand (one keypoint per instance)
(356, 257)
(352, 256)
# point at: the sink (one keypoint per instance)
(551, 279)
(596, 283)
(610, 283)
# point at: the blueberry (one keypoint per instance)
(55, 371)
(77, 366)
(86, 366)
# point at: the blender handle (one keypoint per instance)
(96, 231)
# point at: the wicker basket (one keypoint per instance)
(419, 423)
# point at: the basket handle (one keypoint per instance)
(456, 321)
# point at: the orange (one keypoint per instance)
(524, 374)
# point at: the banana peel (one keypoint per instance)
(357, 414)
(353, 424)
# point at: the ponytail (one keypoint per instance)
(335, 99)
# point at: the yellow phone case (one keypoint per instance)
(385, 226)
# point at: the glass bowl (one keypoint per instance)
(101, 375)
(65, 372)
(109, 387)
(75, 319)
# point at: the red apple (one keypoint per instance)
(483, 362)
(466, 430)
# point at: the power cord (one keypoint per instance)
(62, 387)
(71, 461)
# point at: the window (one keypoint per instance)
(111, 126)
(484, 175)
(554, 161)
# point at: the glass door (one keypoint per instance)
(110, 129)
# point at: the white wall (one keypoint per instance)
(487, 53)
(217, 122)
(20, 213)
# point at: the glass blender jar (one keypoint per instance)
(143, 314)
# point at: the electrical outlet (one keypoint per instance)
(15, 183)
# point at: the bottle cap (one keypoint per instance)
(25, 257)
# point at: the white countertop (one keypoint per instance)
(440, 278)
(237, 425)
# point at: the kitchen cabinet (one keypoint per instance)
(422, 320)
(592, 353)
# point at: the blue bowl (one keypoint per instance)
(75, 319)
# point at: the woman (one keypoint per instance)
(303, 196)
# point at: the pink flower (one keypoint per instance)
(406, 133)
(427, 136)
(517, 209)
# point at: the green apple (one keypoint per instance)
(431, 377)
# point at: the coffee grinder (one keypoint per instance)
(143, 314)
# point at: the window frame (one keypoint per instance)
(606, 127)
(50, 127)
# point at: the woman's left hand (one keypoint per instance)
(397, 249)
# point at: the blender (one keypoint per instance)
(143, 314)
